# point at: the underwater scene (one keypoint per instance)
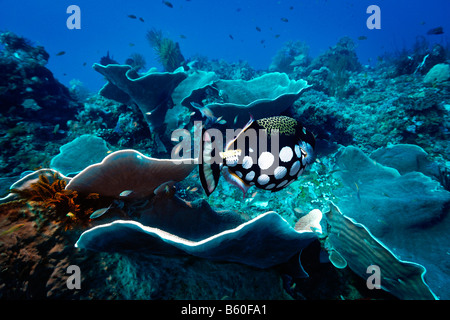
(225, 150)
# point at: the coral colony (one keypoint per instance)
(317, 170)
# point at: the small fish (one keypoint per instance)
(333, 171)
(254, 194)
(357, 192)
(194, 189)
(192, 113)
(235, 119)
(436, 31)
(131, 44)
(12, 229)
(262, 41)
(219, 120)
(258, 29)
(182, 36)
(291, 8)
(132, 16)
(125, 193)
(61, 53)
(167, 3)
(84, 64)
(141, 19)
(205, 111)
(231, 37)
(99, 212)
(70, 215)
(362, 38)
(298, 210)
(277, 36)
(284, 19)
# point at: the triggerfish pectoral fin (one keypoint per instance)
(236, 181)
(209, 171)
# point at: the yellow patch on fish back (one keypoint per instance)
(230, 154)
(284, 125)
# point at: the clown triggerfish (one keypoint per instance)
(269, 153)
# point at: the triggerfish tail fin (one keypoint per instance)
(209, 170)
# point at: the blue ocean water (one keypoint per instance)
(204, 27)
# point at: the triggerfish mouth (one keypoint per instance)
(268, 153)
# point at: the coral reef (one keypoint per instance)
(292, 55)
(382, 157)
(33, 103)
(28, 89)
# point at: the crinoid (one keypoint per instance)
(167, 51)
(63, 206)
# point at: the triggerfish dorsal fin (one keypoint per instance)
(209, 170)
(231, 142)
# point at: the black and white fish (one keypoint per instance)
(248, 161)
